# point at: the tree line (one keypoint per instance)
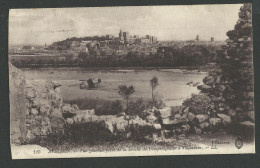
(189, 55)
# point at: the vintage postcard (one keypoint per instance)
(131, 81)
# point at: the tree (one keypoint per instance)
(126, 92)
(154, 82)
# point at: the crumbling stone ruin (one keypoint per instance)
(231, 87)
(43, 109)
(17, 105)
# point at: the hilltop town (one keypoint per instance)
(124, 50)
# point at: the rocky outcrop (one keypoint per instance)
(195, 115)
(230, 87)
(43, 109)
(120, 125)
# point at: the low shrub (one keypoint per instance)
(140, 133)
(114, 107)
(88, 133)
(101, 106)
(156, 103)
(136, 107)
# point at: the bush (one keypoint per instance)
(156, 103)
(101, 106)
(140, 133)
(109, 108)
(136, 107)
(114, 107)
(91, 83)
(90, 133)
(198, 104)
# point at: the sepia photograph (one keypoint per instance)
(131, 81)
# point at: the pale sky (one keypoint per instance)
(37, 26)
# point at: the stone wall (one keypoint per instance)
(17, 105)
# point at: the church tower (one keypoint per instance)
(121, 35)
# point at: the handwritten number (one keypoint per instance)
(36, 151)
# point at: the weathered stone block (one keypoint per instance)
(214, 121)
(191, 116)
(202, 117)
(225, 118)
(165, 112)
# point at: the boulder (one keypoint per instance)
(204, 125)
(34, 111)
(122, 114)
(214, 121)
(45, 121)
(251, 115)
(78, 119)
(202, 117)
(250, 95)
(45, 130)
(151, 119)
(75, 107)
(83, 85)
(69, 121)
(69, 111)
(247, 123)
(185, 110)
(169, 121)
(195, 84)
(198, 104)
(175, 109)
(204, 88)
(198, 130)
(157, 126)
(191, 116)
(36, 131)
(56, 113)
(166, 120)
(209, 80)
(165, 112)
(31, 92)
(177, 116)
(186, 128)
(225, 118)
(221, 88)
(55, 84)
(231, 112)
(45, 107)
(86, 112)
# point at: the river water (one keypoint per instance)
(172, 89)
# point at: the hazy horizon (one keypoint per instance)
(178, 23)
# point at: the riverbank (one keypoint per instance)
(202, 68)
